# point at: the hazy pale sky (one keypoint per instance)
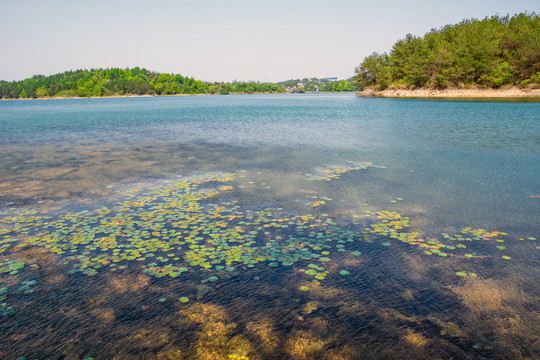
(219, 40)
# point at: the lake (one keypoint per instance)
(297, 226)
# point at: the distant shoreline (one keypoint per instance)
(146, 95)
(455, 93)
(98, 97)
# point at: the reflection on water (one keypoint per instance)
(269, 249)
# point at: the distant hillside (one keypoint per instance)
(491, 53)
(115, 81)
(321, 85)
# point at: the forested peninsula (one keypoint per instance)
(122, 82)
(140, 81)
(493, 53)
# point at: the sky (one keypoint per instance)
(220, 40)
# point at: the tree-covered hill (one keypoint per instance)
(116, 81)
(492, 52)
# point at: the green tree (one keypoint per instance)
(491, 52)
(374, 70)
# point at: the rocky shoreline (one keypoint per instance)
(453, 93)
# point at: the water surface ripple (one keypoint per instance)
(310, 226)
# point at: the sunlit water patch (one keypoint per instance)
(216, 250)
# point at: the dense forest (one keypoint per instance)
(139, 81)
(115, 81)
(493, 52)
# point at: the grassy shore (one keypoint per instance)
(513, 92)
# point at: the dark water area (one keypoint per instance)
(269, 227)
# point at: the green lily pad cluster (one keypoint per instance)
(336, 172)
(4, 308)
(464, 273)
(316, 203)
(26, 287)
(319, 272)
(138, 229)
(167, 270)
(470, 234)
(11, 266)
(310, 194)
(177, 228)
(6, 241)
(395, 226)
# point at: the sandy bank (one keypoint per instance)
(454, 93)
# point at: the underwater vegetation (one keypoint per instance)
(197, 227)
(176, 229)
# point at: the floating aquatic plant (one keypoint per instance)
(464, 273)
(177, 228)
(336, 172)
(11, 266)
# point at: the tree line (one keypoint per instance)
(140, 81)
(492, 52)
(310, 85)
(116, 81)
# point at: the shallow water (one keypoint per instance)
(269, 227)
